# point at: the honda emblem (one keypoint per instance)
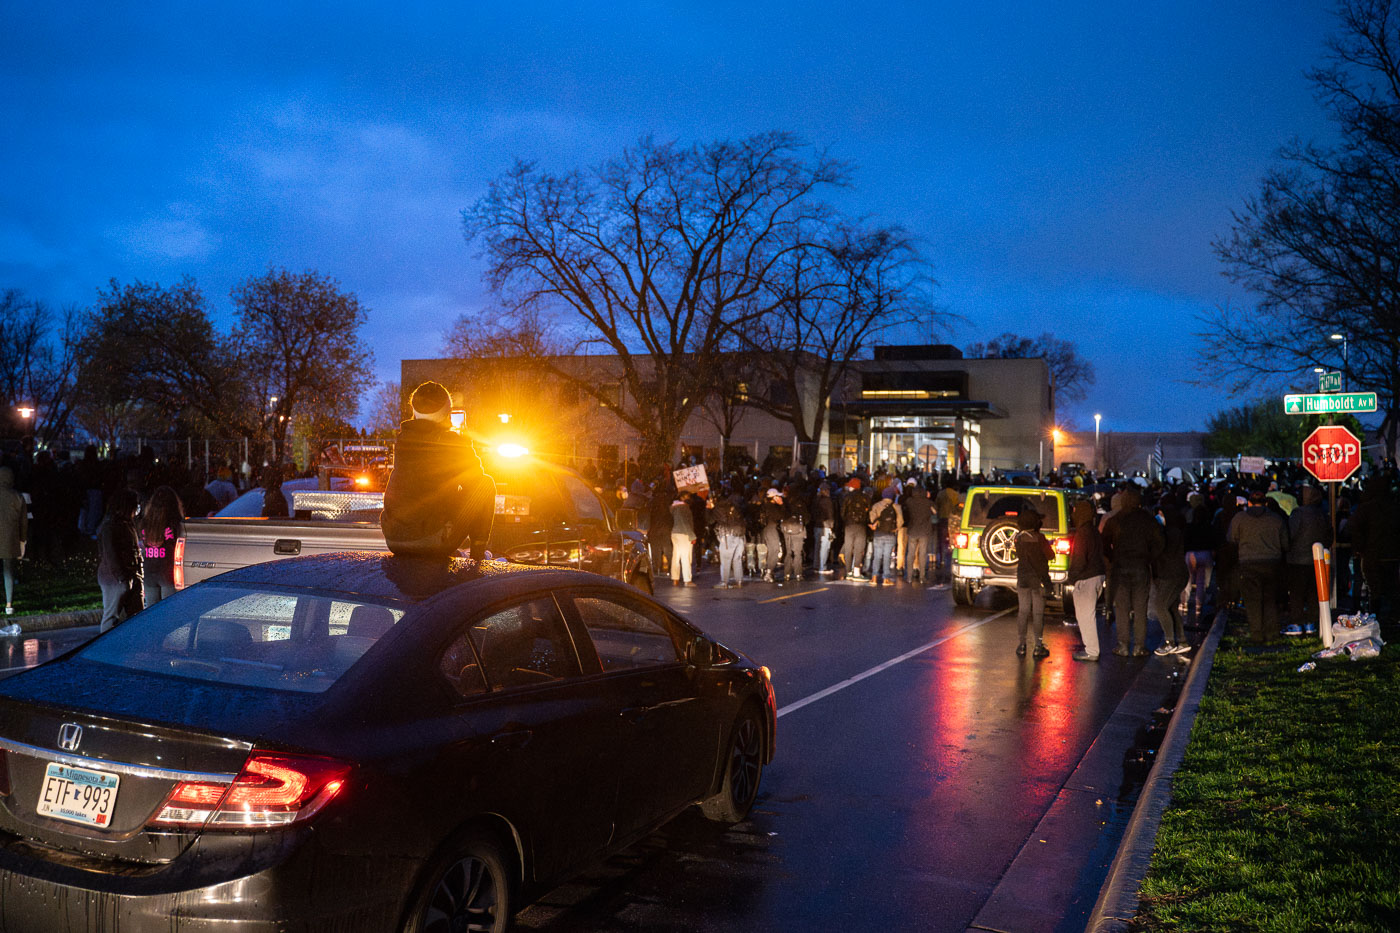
(70, 736)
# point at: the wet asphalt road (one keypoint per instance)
(916, 757)
(898, 800)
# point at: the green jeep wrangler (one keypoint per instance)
(984, 543)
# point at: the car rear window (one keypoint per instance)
(279, 639)
(986, 507)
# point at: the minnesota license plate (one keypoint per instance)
(78, 795)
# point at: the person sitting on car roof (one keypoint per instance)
(438, 497)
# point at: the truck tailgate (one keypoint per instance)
(214, 545)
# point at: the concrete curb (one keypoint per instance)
(1118, 898)
(52, 621)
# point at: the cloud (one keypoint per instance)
(176, 235)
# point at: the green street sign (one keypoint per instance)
(1329, 382)
(1341, 403)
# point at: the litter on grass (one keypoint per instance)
(1310, 666)
(1356, 636)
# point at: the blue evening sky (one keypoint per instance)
(1066, 165)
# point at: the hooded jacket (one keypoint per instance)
(438, 494)
(1260, 534)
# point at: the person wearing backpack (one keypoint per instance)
(886, 518)
(794, 529)
(855, 512)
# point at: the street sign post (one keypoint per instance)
(1331, 453)
(1329, 382)
(1340, 403)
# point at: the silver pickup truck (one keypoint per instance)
(555, 519)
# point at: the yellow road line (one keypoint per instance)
(791, 595)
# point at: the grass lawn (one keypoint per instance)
(71, 586)
(1285, 814)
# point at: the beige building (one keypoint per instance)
(922, 406)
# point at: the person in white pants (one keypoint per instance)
(682, 542)
(1086, 576)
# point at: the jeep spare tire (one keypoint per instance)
(999, 545)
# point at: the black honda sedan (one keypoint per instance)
(362, 742)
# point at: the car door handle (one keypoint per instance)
(517, 739)
(288, 546)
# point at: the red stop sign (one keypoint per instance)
(1331, 453)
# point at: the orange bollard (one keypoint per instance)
(1322, 569)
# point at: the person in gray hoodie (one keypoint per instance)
(1261, 536)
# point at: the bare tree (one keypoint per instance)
(1070, 374)
(387, 409)
(299, 336)
(656, 255)
(832, 300)
(37, 363)
(1319, 246)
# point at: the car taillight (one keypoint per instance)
(1061, 545)
(272, 790)
(180, 563)
(961, 539)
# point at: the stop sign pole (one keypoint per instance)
(1331, 453)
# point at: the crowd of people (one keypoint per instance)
(126, 510)
(1170, 552)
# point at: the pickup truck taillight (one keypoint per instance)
(180, 563)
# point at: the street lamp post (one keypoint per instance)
(1097, 419)
(1346, 376)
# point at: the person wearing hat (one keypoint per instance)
(438, 496)
(1261, 536)
(855, 511)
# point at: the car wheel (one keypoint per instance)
(742, 772)
(468, 888)
(962, 593)
(642, 582)
(999, 545)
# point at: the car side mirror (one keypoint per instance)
(701, 653)
(626, 519)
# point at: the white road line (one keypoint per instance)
(834, 688)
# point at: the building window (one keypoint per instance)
(610, 395)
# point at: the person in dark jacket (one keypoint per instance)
(1086, 576)
(1200, 551)
(438, 497)
(824, 522)
(1033, 556)
(772, 514)
(1375, 539)
(1169, 578)
(275, 503)
(918, 527)
(119, 560)
(1132, 542)
(1308, 524)
(726, 520)
(659, 523)
(794, 529)
(855, 513)
(1261, 537)
(162, 524)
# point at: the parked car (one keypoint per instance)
(984, 543)
(360, 742)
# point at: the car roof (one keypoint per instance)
(381, 575)
(1016, 490)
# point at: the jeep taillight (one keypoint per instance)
(1061, 545)
(961, 539)
(272, 790)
